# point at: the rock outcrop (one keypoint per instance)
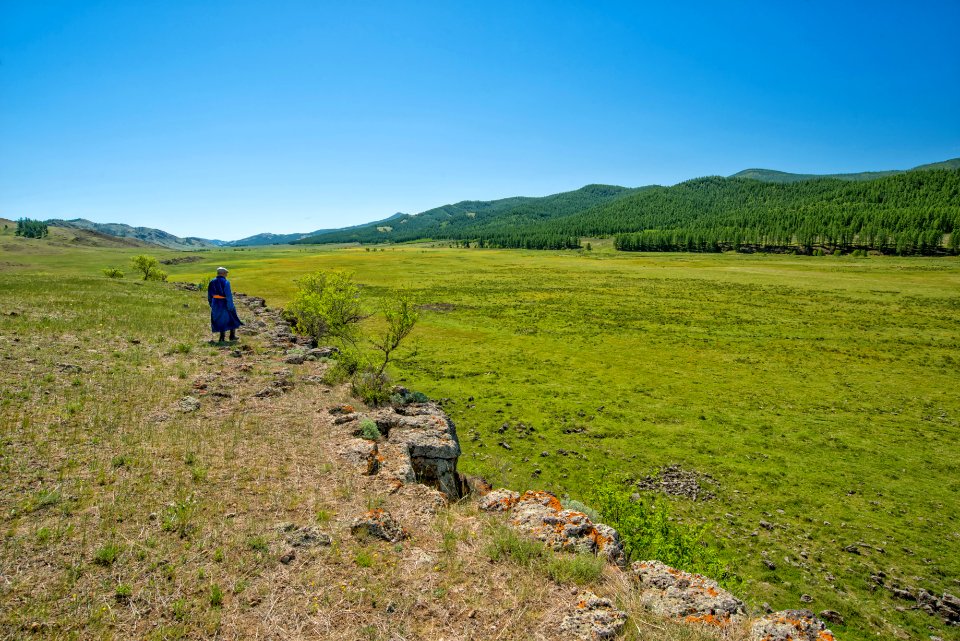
(420, 445)
(691, 597)
(790, 625)
(542, 516)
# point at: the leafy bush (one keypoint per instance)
(369, 430)
(648, 533)
(327, 304)
(157, 275)
(346, 365)
(113, 272)
(149, 267)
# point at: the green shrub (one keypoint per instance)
(113, 272)
(648, 533)
(363, 559)
(107, 554)
(216, 595)
(327, 304)
(369, 430)
(123, 592)
(157, 275)
(577, 506)
(346, 365)
(372, 387)
(407, 397)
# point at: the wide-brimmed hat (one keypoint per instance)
(222, 269)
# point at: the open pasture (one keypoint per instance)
(819, 393)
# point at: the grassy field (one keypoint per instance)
(820, 393)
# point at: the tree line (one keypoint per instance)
(31, 228)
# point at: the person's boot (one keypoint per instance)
(233, 335)
(221, 336)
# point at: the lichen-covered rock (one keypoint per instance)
(593, 618)
(501, 500)
(541, 515)
(189, 404)
(306, 536)
(790, 625)
(378, 524)
(692, 597)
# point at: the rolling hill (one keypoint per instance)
(144, 234)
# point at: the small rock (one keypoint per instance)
(504, 445)
(295, 359)
(378, 524)
(288, 557)
(770, 564)
(189, 404)
(806, 598)
(790, 625)
(832, 616)
(593, 618)
(69, 368)
(906, 595)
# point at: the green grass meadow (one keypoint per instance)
(820, 392)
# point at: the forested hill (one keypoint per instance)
(474, 219)
(909, 212)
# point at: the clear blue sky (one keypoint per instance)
(224, 119)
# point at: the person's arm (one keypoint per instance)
(229, 294)
(210, 293)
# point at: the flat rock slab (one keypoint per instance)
(790, 625)
(692, 597)
(593, 618)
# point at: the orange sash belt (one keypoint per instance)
(219, 296)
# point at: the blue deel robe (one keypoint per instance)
(223, 315)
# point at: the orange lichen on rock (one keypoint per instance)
(543, 498)
(721, 621)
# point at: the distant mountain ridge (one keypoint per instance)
(555, 221)
(774, 176)
(144, 234)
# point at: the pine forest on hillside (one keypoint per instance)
(915, 212)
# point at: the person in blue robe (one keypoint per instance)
(223, 315)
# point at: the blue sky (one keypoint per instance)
(225, 119)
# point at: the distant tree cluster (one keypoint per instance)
(31, 228)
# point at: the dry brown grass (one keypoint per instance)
(124, 517)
